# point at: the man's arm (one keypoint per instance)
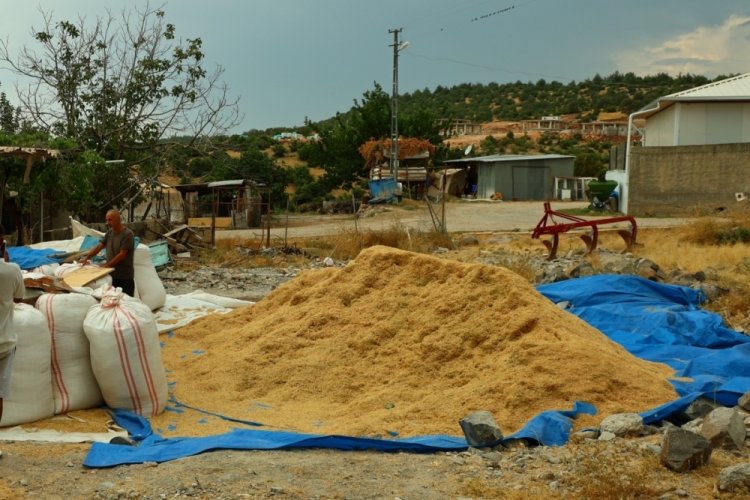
(93, 252)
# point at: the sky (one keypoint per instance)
(288, 60)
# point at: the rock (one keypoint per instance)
(622, 424)
(711, 291)
(693, 426)
(607, 436)
(734, 477)
(683, 450)
(586, 434)
(649, 270)
(700, 408)
(582, 269)
(468, 240)
(744, 401)
(480, 429)
(725, 428)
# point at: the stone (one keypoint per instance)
(607, 436)
(480, 429)
(469, 240)
(586, 434)
(700, 408)
(734, 477)
(693, 426)
(582, 269)
(622, 424)
(744, 401)
(725, 428)
(683, 450)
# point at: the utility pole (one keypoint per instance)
(394, 104)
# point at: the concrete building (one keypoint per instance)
(514, 177)
(695, 152)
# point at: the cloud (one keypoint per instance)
(707, 50)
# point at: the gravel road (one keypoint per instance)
(460, 217)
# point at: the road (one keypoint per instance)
(460, 217)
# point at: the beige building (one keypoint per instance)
(694, 154)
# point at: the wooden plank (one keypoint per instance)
(221, 222)
(85, 275)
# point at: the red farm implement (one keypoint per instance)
(554, 223)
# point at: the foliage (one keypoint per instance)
(9, 116)
(523, 101)
(255, 165)
(119, 87)
(369, 119)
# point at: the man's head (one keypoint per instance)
(113, 219)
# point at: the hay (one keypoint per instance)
(400, 343)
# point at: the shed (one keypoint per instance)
(515, 177)
(225, 204)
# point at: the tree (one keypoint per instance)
(9, 120)
(119, 86)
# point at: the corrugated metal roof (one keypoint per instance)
(736, 88)
(501, 158)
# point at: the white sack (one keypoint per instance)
(30, 395)
(149, 287)
(46, 269)
(73, 383)
(126, 354)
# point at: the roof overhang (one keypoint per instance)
(507, 158)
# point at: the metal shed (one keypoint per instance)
(515, 177)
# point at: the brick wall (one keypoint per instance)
(687, 180)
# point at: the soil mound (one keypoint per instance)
(404, 343)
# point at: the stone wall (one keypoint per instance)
(687, 180)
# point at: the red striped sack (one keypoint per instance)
(126, 355)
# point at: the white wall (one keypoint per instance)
(699, 123)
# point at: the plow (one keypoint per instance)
(555, 223)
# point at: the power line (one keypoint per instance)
(493, 13)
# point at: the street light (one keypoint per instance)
(397, 47)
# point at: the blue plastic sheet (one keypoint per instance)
(550, 428)
(665, 324)
(30, 258)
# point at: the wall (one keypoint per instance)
(694, 123)
(687, 180)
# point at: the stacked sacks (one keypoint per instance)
(73, 382)
(30, 393)
(126, 354)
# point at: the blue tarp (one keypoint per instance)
(549, 427)
(662, 323)
(30, 258)
(665, 324)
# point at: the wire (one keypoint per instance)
(484, 66)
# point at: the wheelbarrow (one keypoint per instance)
(555, 223)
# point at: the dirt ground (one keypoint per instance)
(459, 217)
(623, 468)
